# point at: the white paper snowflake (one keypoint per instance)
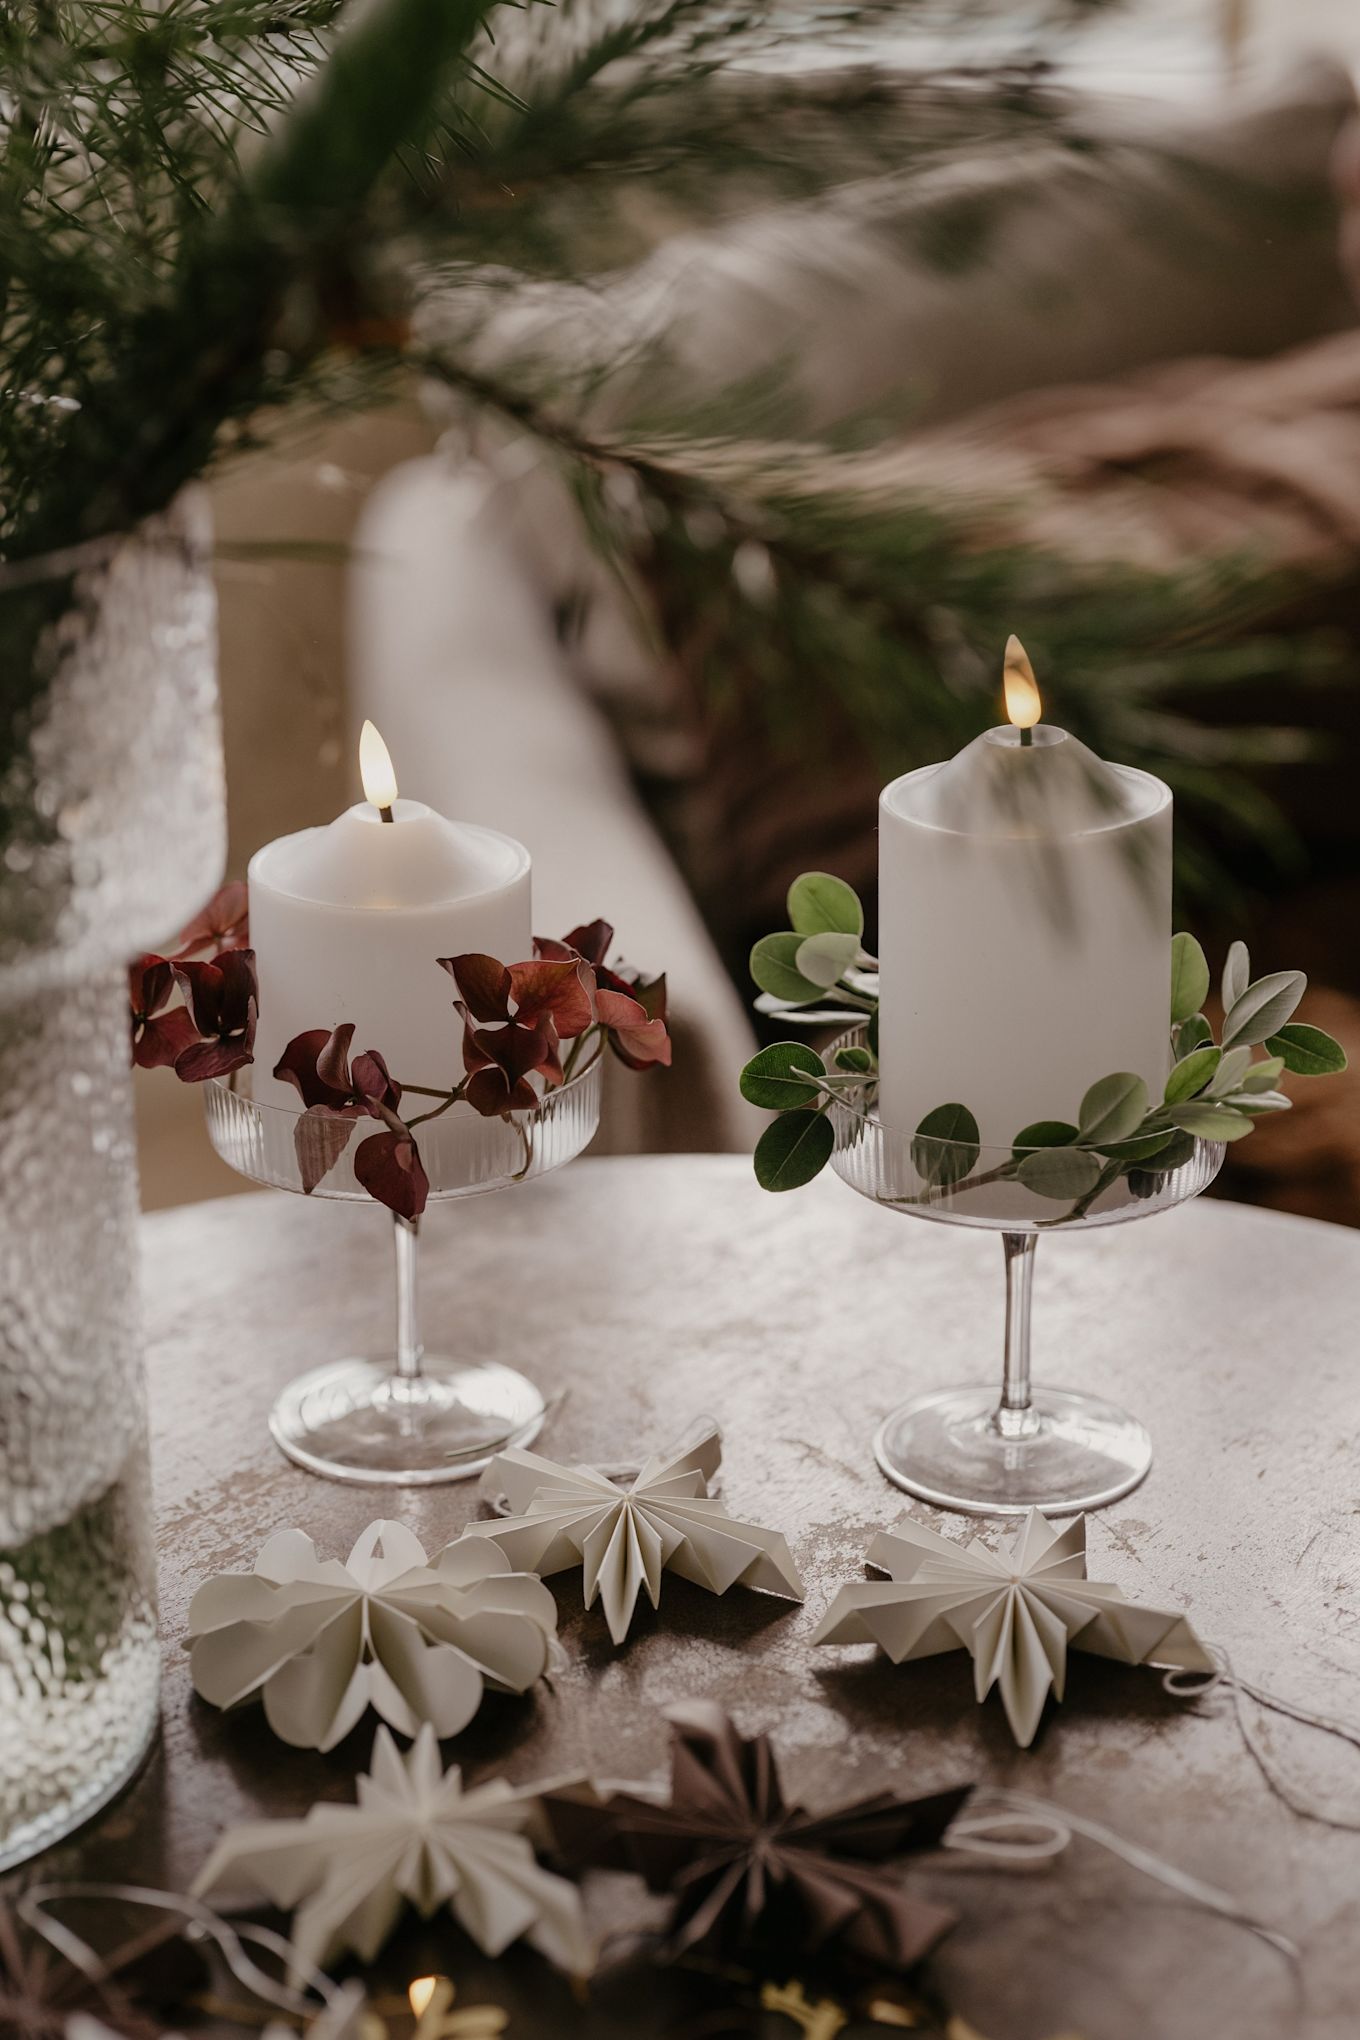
(417, 1837)
(416, 1639)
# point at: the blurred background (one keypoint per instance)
(1059, 305)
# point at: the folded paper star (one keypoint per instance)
(1016, 1612)
(416, 1639)
(750, 1872)
(625, 1537)
(416, 1835)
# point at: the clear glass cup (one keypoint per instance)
(972, 1448)
(414, 1417)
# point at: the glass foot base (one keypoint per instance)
(1072, 1452)
(356, 1420)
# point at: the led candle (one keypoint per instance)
(348, 922)
(1024, 926)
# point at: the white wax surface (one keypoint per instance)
(347, 922)
(1024, 932)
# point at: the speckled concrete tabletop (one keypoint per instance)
(652, 1290)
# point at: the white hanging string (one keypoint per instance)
(1008, 1827)
(1196, 1686)
(198, 1919)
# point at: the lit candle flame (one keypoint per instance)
(1023, 705)
(423, 1988)
(375, 769)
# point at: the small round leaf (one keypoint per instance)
(1307, 1051)
(1113, 1108)
(1232, 1068)
(776, 1079)
(823, 959)
(1191, 1074)
(819, 903)
(945, 1147)
(1059, 1172)
(1236, 974)
(1189, 977)
(1210, 1122)
(1264, 1008)
(775, 971)
(793, 1149)
(1044, 1133)
(1192, 1033)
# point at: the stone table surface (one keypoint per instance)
(648, 1291)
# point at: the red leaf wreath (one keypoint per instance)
(516, 1019)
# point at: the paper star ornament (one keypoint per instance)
(418, 1837)
(1016, 1612)
(625, 1536)
(416, 1639)
(748, 1871)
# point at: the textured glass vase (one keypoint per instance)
(113, 836)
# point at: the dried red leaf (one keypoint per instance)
(389, 1167)
(320, 1138)
(222, 925)
(591, 942)
(317, 1064)
(159, 1036)
(337, 1090)
(500, 1061)
(561, 991)
(222, 997)
(483, 984)
(637, 1039)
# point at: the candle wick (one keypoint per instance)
(1026, 737)
(386, 814)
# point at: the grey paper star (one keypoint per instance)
(625, 1537)
(1016, 1612)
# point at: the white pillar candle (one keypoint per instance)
(348, 922)
(1024, 926)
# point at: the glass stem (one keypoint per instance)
(1014, 1415)
(410, 1352)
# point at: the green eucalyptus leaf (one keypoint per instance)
(1263, 1075)
(822, 959)
(1179, 1149)
(1113, 1108)
(944, 1148)
(1264, 1008)
(855, 1059)
(1232, 1067)
(1191, 1074)
(1192, 1033)
(1236, 974)
(1059, 1172)
(1141, 1147)
(793, 1149)
(1256, 1104)
(871, 1033)
(1210, 1121)
(1307, 1051)
(776, 1079)
(820, 904)
(1044, 1133)
(775, 970)
(1189, 977)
